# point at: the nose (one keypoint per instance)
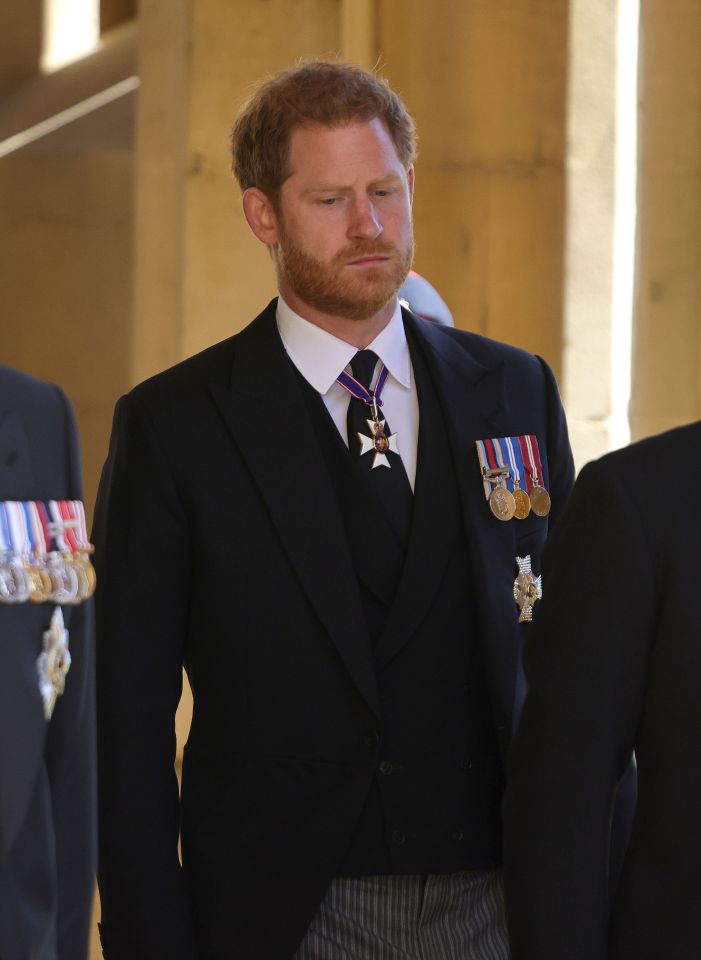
(365, 221)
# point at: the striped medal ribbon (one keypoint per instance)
(44, 552)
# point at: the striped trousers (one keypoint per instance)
(458, 916)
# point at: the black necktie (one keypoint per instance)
(390, 484)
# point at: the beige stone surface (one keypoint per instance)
(20, 42)
(65, 257)
(590, 225)
(486, 85)
(228, 275)
(667, 354)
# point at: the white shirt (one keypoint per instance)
(320, 357)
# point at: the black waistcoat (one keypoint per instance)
(434, 804)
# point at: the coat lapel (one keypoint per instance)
(265, 413)
(473, 403)
(433, 530)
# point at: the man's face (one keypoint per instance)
(345, 242)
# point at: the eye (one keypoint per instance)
(330, 201)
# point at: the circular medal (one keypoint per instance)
(501, 503)
(17, 581)
(89, 572)
(523, 504)
(540, 500)
(77, 564)
(64, 580)
(5, 584)
(41, 582)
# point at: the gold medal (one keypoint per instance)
(523, 503)
(42, 586)
(502, 504)
(89, 572)
(540, 500)
(78, 566)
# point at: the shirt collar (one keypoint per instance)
(320, 357)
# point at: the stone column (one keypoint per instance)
(486, 83)
(200, 274)
(667, 348)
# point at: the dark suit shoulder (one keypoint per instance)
(654, 481)
(489, 351)
(643, 469)
(20, 391)
(677, 448)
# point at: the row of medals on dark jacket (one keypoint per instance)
(63, 578)
(505, 504)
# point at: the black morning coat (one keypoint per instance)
(614, 664)
(220, 545)
(47, 768)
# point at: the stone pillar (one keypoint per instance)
(200, 274)
(667, 348)
(589, 240)
(486, 83)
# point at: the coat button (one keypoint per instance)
(458, 836)
(467, 765)
(387, 767)
(398, 838)
(371, 740)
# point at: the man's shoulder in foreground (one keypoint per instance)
(677, 450)
(647, 471)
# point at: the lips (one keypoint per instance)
(368, 261)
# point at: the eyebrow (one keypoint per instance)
(334, 188)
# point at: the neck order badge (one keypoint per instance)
(378, 441)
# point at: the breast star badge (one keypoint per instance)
(379, 441)
(527, 589)
(53, 663)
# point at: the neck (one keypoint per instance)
(359, 333)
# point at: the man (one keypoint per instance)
(328, 569)
(47, 815)
(614, 665)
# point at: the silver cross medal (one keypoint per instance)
(527, 589)
(53, 663)
(379, 441)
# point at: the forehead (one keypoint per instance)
(319, 152)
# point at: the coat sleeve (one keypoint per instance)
(70, 758)
(143, 564)
(585, 666)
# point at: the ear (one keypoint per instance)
(410, 183)
(260, 215)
